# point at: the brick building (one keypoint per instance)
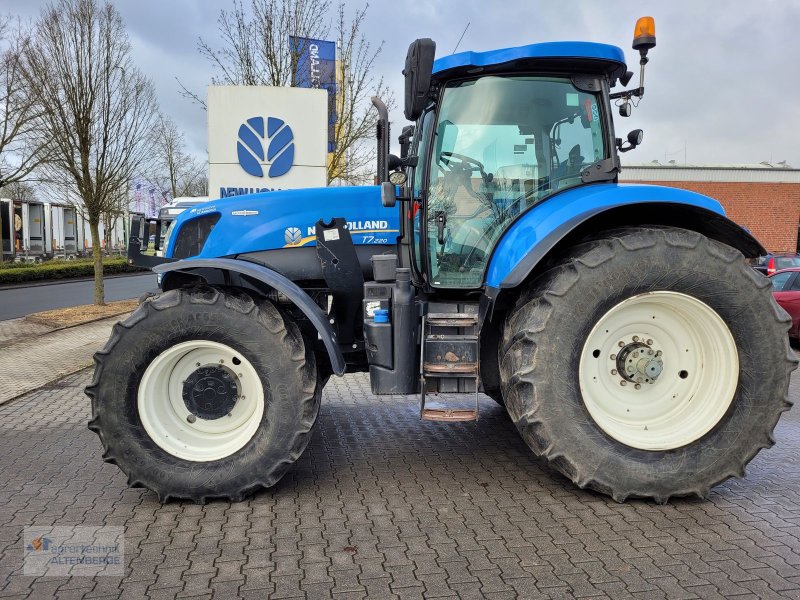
(764, 198)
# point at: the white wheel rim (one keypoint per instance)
(171, 425)
(694, 389)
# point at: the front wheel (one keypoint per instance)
(204, 393)
(650, 363)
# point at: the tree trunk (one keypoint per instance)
(97, 255)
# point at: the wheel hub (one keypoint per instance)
(647, 401)
(210, 392)
(638, 362)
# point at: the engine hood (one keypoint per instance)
(286, 218)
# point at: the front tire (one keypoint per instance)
(204, 394)
(649, 363)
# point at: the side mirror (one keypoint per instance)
(418, 72)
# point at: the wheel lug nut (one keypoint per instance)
(636, 338)
(191, 418)
(613, 371)
(197, 364)
(621, 344)
(658, 352)
(638, 386)
(613, 357)
(221, 361)
(649, 342)
(623, 383)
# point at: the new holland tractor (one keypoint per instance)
(620, 326)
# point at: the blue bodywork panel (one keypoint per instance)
(561, 50)
(286, 218)
(559, 214)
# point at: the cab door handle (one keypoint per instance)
(441, 221)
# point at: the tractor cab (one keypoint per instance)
(497, 133)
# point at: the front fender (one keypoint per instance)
(279, 283)
(538, 231)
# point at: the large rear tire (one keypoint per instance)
(204, 394)
(652, 362)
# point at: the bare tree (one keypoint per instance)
(21, 151)
(353, 158)
(97, 109)
(20, 190)
(256, 50)
(176, 170)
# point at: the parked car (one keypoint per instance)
(786, 289)
(771, 263)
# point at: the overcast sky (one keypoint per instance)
(722, 82)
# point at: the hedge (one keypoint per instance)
(10, 264)
(61, 269)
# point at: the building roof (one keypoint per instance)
(570, 50)
(763, 172)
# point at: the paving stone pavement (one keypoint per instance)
(31, 358)
(382, 505)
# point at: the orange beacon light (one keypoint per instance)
(644, 34)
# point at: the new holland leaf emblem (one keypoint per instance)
(292, 235)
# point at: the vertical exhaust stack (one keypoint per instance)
(382, 131)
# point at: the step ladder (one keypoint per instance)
(449, 357)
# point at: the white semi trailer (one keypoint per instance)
(35, 231)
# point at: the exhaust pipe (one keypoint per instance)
(382, 131)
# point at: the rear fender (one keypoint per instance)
(568, 217)
(195, 267)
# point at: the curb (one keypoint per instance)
(45, 322)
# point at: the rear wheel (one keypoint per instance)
(651, 363)
(203, 394)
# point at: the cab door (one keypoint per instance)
(415, 208)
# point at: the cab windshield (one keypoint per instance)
(501, 145)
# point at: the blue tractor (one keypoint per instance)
(634, 349)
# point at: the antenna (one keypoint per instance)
(461, 38)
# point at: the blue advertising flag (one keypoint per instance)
(316, 68)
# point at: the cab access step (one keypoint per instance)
(449, 361)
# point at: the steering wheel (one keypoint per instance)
(455, 161)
